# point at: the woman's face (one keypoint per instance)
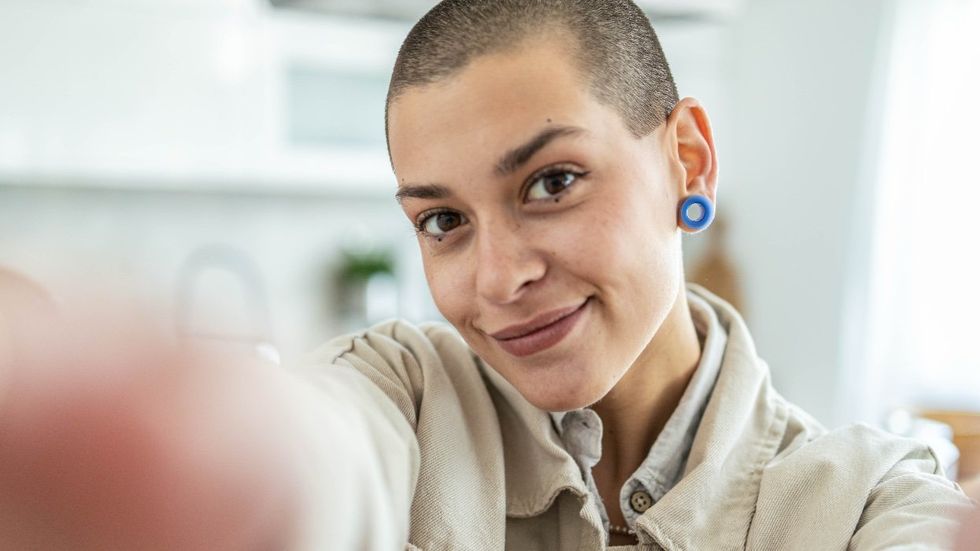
(547, 230)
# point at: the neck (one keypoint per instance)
(635, 411)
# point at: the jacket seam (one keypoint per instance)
(779, 419)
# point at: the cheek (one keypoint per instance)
(633, 256)
(631, 238)
(448, 288)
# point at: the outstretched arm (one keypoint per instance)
(113, 438)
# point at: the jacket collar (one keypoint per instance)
(711, 506)
(537, 466)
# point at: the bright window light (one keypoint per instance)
(925, 286)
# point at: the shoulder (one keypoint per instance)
(851, 454)
(407, 362)
(855, 456)
(863, 484)
(391, 341)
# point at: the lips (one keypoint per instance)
(540, 333)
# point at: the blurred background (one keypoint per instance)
(228, 156)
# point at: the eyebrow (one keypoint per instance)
(424, 191)
(508, 163)
(515, 158)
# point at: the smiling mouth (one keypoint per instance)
(540, 333)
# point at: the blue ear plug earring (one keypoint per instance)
(696, 213)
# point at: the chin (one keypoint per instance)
(562, 383)
(561, 397)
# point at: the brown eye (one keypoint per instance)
(550, 185)
(441, 223)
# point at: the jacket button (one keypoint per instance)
(640, 501)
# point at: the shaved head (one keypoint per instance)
(613, 44)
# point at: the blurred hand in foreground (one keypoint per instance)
(113, 438)
(969, 539)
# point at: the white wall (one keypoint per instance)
(63, 237)
(803, 82)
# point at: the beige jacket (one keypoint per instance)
(483, 469)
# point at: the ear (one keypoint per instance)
(692, 148)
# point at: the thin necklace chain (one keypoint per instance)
(621, 530)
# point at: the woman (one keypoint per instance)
(544, 157)
(584, 398)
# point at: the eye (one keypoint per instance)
(438, 224)
(550, 184)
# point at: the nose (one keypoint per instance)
(507, 262)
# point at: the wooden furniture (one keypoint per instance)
(966, 436)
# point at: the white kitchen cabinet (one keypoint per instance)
(174, 94)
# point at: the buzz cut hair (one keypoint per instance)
(613, 45)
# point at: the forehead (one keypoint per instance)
(494, 103)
